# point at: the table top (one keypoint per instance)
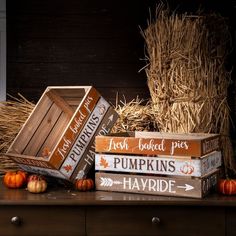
(64, 195)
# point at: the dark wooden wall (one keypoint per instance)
(75, 42)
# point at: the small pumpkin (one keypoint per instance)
(15, 179)
(36, 184)
(227, 186)
(84, 184)
(187, 169)
(35, 177)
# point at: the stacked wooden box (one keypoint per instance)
(158, 163)
(58, 137)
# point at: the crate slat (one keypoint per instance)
(55, 133)
(71, 92)
(30, 126)
(73, 102)
(30, 160)
(53, 95)
(43, 130)
(159, 144)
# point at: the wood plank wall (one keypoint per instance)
(75, 42)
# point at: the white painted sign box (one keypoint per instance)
(165, 165)
(81, 143)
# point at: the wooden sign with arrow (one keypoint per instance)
(157, 185)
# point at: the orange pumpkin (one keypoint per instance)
(227, 186)
(36, 184)
(15, 179)
(84, 184)
(35, 177)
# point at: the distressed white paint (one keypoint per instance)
(166, 165)
(84, 138)
(42, 171)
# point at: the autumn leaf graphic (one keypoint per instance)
(103, 162)
(46, 152)
(68, 168)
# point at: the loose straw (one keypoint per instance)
(135, 115)
(13, 114)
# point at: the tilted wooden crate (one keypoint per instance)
(59, 130)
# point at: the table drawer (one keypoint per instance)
(42, 221)
(231, 221)
(156, 220)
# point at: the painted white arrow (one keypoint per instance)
(80, 175)
(110, 119)
(108, 182)
(187, 187)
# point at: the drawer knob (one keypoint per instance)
(156, 220)
(15, 220)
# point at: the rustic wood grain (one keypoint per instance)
(137, 221)
(61, 47)
(42, 131)
(49, 126)
(55, 134)
(45, 222)
(60, 102)
(231, 222)
(157, 185)
(154, 143)
(30, 127)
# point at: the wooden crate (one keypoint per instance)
(157, 185)
(159, 165)
(59, 129)
(155, 143)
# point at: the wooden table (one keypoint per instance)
(62, 211)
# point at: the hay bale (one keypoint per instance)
(186, 74)
(13, 114)
(135, 115)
